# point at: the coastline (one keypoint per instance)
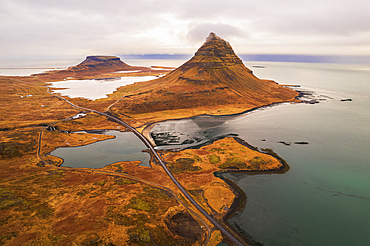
(240, 201)
(146, 133)
(241, 215)
(241, 198)
(283, 169)
(150, 125)
(236, 207)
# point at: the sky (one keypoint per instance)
(114, 27)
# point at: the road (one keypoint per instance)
(154, 152)
(129, 177)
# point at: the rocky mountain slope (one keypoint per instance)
(213, 78)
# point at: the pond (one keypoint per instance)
(124, 147)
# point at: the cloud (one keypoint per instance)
(75, 26)
(198, 33)
(167, 26)
(315, 17)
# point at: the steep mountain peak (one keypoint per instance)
(212, 36)
(216, 52)
(213, 80)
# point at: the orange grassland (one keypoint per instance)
(124, 203)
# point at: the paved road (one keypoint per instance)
(129, 177)
(150, 146)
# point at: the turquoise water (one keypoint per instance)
(124, 147)
(324, 199)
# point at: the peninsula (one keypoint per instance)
(180, 200)
(214, 81)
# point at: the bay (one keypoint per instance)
(324, 198)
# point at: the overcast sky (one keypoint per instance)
(113, 27)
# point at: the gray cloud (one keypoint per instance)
(318, 17)
(166, 26)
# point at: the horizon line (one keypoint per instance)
(352, 59)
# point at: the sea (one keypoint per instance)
(324, 197)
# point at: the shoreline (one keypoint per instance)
(146, 133)
(236, 207)
(150, 125)
(241, 198)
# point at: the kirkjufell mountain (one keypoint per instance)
(213, 80)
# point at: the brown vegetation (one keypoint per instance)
(115, 205)
(99, 66)
(40, 205)
(223, 155)
(215, 81)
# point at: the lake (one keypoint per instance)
(95, 88)
(124, 147)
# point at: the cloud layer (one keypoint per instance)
(66, 27)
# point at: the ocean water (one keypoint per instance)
(27, 65)
(324, 198)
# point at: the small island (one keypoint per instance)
(45, 203)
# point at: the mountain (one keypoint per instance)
(213, 79)
(92, 66)
(100, 63)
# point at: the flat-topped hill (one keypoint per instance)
(99, 63)
(94, 66)
(214, 78)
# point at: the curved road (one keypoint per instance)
(129, 177)
(150, 146)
